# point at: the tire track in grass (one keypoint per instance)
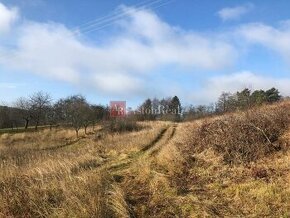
(126, 163)
(156, 150)
(150, 149)
(122, 164)
(147, 152)
(155, 141)
(164, 136)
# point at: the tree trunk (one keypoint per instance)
(86, 130)
(36, 125)
(77, 133)
(26, 123)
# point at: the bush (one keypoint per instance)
(245, 136)
(121, 125)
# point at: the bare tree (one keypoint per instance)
(98, 114)
(51, 116)
(25, 111)
(72, 110)
(87, 116)
(39, 103)
(226, 102)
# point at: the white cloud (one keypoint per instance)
(118, 83)
(214, 86)
(167, 44)
(234, 13)
(7, 17)
(119, 65)
(124, 63)
(277, 39)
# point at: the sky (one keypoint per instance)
(132, 50)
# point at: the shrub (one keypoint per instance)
(121, 125)
(245, 136)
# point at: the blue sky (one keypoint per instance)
(131, 50)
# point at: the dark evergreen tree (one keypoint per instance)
(146, 110)
(175, 108)
(258, 97)
(175, 105)
(273, 95)
(243, 98)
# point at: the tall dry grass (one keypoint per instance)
(43, 176)
(234, 165)
(198, 163)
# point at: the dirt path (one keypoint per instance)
(125, 169)
(149, 150)
(170, 134)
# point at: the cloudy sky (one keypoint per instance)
(131, 50)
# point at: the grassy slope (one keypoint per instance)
(155, 172)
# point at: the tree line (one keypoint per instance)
(229, 102)
(38, 109)
(75, 111)
(246, 99)
(165, 109)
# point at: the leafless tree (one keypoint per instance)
(99, 113)
(25, 110)
(39, 104)
(73, 111)
(51, 116)
(87, 116)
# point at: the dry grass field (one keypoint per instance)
(236, 165)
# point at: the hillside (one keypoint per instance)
(235, 165)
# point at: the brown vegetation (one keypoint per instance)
(245, 136)
(229, 166)
(121, 125)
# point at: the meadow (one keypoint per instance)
(233, 165)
